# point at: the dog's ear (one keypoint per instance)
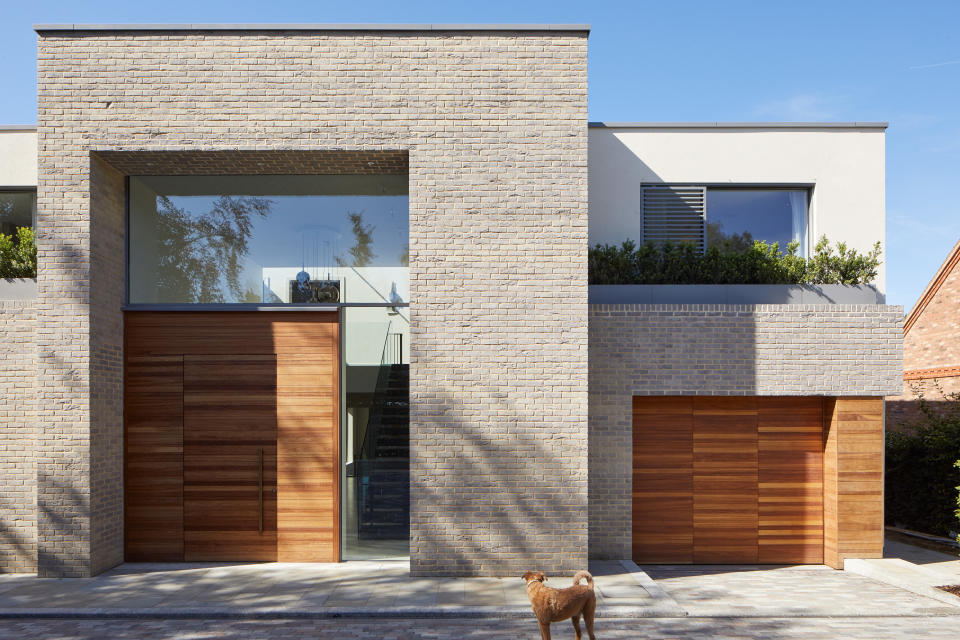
(527, 576)
(541, 576)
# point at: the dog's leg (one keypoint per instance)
(588, 619)
(576, 626)
(589, 608)
(545, 630)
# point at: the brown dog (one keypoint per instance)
(553, 605)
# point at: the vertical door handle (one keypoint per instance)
(260, 490)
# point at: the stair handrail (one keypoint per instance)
(370, 417)
(386, 341)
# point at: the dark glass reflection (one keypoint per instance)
(17, 209)
(737, 217)
(268, 239)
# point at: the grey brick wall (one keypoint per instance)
(108, 211)
(18, 523)
(495, 126)
(742, 350)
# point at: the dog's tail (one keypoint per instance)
(583, 575)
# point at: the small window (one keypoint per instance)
(729, 218)
(17, 209)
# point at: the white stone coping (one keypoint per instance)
(295, 26)
(738, 125)
(18, 289)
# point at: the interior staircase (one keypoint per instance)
(383, 470)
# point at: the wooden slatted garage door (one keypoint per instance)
(728, 480)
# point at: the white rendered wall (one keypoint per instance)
(18, 158)
(844, 166)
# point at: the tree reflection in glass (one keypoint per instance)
(267, 239)
(200, 257)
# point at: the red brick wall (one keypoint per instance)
(932, 342)
(934, 339)
(904, 410)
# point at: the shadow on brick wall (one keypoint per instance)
(494, 499)
(63, 385)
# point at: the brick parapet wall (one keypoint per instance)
(495, 126)
(745, 350)
(18, 524)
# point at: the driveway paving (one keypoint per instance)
(302, 588)
(378, 589)
(928, 628)
(807, 590)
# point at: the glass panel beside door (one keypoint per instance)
(376, 433)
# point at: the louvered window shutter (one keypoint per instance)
(674, 214)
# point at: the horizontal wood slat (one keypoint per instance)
(853, 479)
(153, 451)
(791, 480)
(728, 480)
(663, 480)
(308, 457)
(230, 458)
(725, 481)
(228, 333)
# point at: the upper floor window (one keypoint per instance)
(17, 209)
(729, 218)
(268, 239)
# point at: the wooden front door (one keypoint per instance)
(231, 436)
(728, 480)
(230, 457)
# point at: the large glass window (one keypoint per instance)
(268, 239)
(17, 209)
(737, 217)
(729, 218)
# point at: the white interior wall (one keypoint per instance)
(845, 166)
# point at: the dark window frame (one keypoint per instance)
(809, 187)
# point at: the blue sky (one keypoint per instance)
(673, 61)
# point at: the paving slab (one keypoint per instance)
(786, 591)
(385, 589)
(944, 563)
(931, 628)
(905, 575)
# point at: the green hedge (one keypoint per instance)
(957, 511)
(922, 473)
(761, 263)
(18, 254)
